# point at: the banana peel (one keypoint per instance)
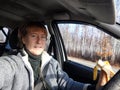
(105, 66)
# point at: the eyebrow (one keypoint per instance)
(43, 34)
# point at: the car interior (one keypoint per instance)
(98, 13)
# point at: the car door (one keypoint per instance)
(76, 45)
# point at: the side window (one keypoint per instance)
(86, 44)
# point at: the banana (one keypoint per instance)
(105, 66)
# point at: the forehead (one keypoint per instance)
(36, 30)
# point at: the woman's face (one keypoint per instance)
(35, 40)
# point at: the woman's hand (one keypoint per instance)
(102, 80)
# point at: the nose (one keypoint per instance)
(39, 40)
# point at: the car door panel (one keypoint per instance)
(79, 72)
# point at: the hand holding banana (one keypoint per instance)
(106, 67)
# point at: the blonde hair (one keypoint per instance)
(23, 30)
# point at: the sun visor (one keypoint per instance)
(102, 10)
(99, 10)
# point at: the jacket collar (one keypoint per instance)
(45, 57)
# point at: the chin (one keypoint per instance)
(38, 53)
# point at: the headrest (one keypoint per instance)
(13, 41)
(4, 36)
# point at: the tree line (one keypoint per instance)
(90, 43)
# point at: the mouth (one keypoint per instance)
(37, 47)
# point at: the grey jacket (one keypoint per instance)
(16, 74)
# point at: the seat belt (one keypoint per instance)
(41, 84)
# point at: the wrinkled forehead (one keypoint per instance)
(38, 30)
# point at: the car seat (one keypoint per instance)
(13, 42)
(4, 35)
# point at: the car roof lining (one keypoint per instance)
(22, 10)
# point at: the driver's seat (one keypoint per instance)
(4, 35)
(13, 42)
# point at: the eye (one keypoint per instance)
(43, 37)
(33, 35)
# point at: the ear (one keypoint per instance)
(23, 40)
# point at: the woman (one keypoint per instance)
(33, 68)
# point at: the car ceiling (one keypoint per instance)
(15, 11)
